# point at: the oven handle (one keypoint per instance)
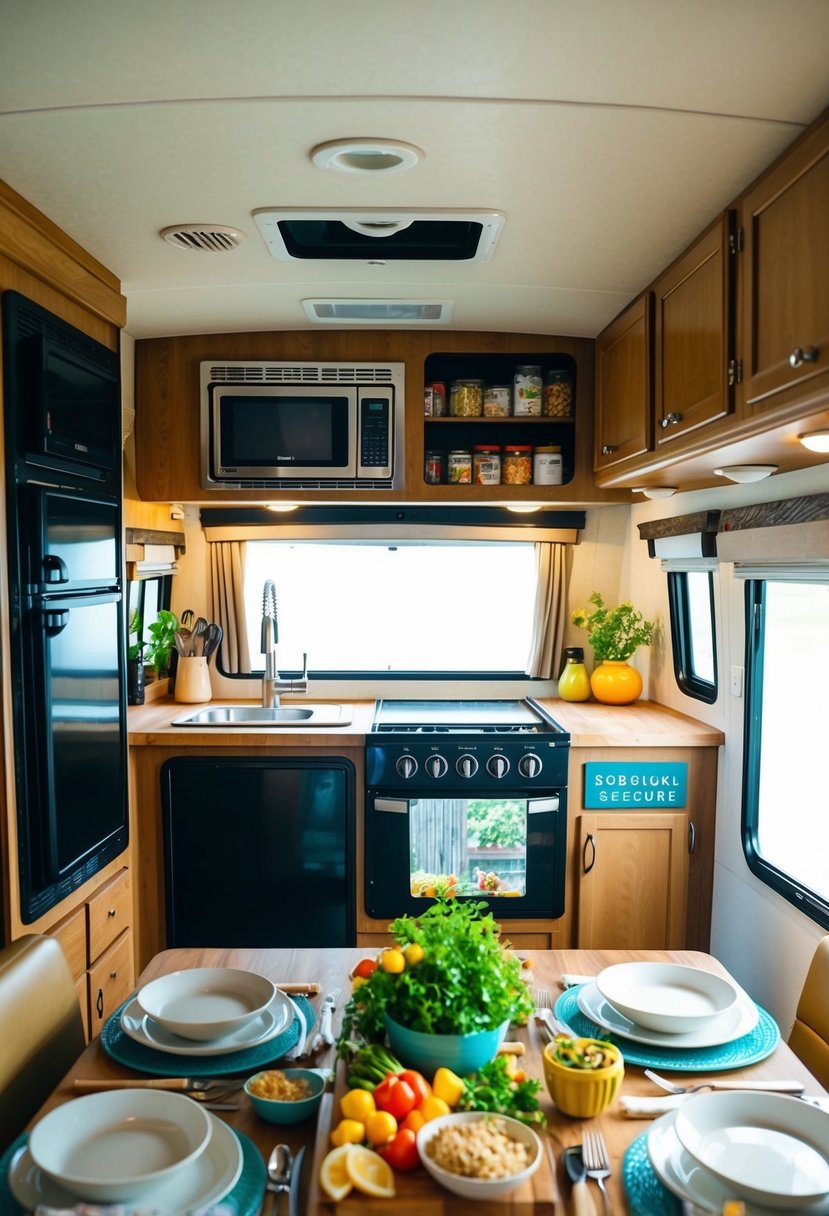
(400, 806)
(535, 805)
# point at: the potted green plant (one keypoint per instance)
(444, 992)
(162, 640)
(614, 635)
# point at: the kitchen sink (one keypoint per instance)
(260, 715)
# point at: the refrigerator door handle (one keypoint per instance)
(54, 622)
(54, 570)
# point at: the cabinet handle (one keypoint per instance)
(113, 975)
(608, 449)
(589, 841)
(99, 1004)
(670, 420)
(692, 836)
(801, 354)
(111, 912)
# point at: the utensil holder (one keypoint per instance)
(193, 679)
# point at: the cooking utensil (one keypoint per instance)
(597, 1160)
(574, 1165)
(293, 1188)
(212, 639)
(545, 1017)
(280, 1168)
(778, 1087)
(202, 1089)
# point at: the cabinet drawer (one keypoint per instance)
(110, 912)
(110, 981)
(71, 933)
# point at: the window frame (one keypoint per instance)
(795, 892)
(688, 680)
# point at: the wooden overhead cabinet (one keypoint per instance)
(785, 280)
(623, 388)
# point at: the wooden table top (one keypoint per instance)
(330, 968)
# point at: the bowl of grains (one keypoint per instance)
(285, 1095)
(478, 1155)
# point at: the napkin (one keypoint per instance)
(638, 1107)
(298, 1048)
(572, 981)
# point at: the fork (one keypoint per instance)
(597, 1164)
(779, 1087)
(207, 1090)
(545, 1017)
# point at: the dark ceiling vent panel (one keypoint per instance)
(379, 236)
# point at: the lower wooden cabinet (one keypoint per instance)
(97, 939)
(633, 880)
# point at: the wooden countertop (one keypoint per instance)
(645, 724)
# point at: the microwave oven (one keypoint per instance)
(268, 425)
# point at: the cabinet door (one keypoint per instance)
(785, 275)
(693, 337)
(111, 980)
(633, 880)
(623, 386)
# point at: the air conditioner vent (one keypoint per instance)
(380, 312)
(205, 238)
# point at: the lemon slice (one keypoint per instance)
(370, 1173)
(334, 1177)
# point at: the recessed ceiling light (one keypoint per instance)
(815, 441)
(655, 491)
(745, 473)
(366, 155)
(282, 507)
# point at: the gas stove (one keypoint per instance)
(458, 744)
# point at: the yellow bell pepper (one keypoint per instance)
(433, 1107)
(348, 1131)
(357, 1104)
(447, 1085)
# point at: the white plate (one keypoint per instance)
(677, 1170)
(667, 997)
(276, 1018)
(211, 1176)
(731, 1025)
(767, 1147)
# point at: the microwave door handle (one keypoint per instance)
(55, 571)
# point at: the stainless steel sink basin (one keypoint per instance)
(258, 715)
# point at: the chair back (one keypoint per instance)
(810, 1034)
(41, 1028)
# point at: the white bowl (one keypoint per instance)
(480, 1189)
(769, 1149)
(117, 1145)
(206, 1003)
(666, 996)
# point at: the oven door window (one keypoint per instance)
(468, 846)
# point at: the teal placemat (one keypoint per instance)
(119, 1046)
(244, 1200)
(749, 1049)
(646, 1194)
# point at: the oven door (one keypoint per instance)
(508, 851)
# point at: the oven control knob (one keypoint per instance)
(436, 766)
(497, 766)
(406, 766)
(467, 766)
(529, 765)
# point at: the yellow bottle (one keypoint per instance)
(574, 682)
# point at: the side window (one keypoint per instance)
(693, 637)
(784, 825)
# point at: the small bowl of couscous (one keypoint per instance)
(285, 1095)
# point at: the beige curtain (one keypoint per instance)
(227, 602)
(554, 562)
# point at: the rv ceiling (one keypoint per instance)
(607, 134)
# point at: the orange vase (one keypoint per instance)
(615, 682)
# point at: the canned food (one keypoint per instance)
(486, 465)
(527, 395)
(517, 465)
(558, 395)
(433, 472)
(547, 466)
(438, 398)
(466, 399)
(498, 401)
(459, 467)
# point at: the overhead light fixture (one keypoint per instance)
(815, 441)
(523, 508)
(366, 155)
(744, 473)
(655, 491)
(282, 507)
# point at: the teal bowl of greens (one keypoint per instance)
(463, 1053)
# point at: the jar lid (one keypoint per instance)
(545, 447)
(460, 452)
(529, 369)
(485, 447)
(518, 447)
(474, 383)
(574, 652)
(556, 373)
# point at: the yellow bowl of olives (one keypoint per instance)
(583, 1076)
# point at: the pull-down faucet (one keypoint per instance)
(272, 682)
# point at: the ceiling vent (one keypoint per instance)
(207, 238)
(380, 312)
(354, 235)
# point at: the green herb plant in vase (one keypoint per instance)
(614, 635)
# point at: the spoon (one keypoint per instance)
(280, 1166)
(574, 1165)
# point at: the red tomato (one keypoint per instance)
(401, 1152)
(422, 1088)
(396, 1096)
(365, 967)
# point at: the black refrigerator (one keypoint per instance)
(66, 603)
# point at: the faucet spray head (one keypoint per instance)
(270, 629)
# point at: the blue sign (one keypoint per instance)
(633, 784)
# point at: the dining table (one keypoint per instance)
(329, 970)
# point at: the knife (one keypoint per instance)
(293, 1193)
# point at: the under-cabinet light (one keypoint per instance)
(744, 473)
(655, 491)
(523, 508)
(815, 441)
(282, 507)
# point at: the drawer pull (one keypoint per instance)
(99, 1004)
(608, 449)
(112, 912)
(670, 420)
(803, 355)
